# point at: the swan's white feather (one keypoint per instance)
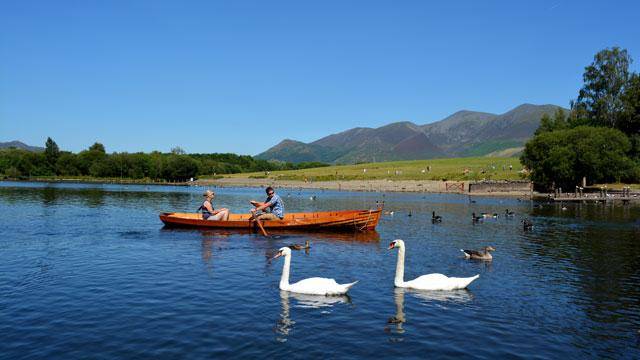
(439, 282)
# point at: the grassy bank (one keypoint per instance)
(475, 168)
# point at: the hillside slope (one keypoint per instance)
(464, 133)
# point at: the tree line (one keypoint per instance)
(599, 138)
(156, 166)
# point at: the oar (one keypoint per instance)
(264, 232)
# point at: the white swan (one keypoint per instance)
(311, 286)
(426, 282)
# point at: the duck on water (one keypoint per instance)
(483, 254)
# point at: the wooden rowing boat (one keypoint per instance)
(361, 220)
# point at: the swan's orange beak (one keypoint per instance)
(392, 245)
(277, 255)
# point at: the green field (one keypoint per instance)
(448, 169)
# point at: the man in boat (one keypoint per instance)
(208, 212)
(273, 203)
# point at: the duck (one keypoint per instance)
(527, 224)
(483, 254)
(312, 198)
(475, 218)
(489, 216)
(310, 286)
(435, 218)
(410, 214)
(425, 282)
(508, 213)
(300, 247)
(388, 213)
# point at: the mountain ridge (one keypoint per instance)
(20, 145)
(463, 133)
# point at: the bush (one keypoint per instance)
(564, 157)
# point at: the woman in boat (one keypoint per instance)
(208, 212)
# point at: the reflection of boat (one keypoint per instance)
(357, 236)
(361, 220)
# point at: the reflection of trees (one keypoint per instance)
(93, 197)
(603, 256)
(49, 196)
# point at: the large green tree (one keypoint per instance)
(600, 101)
(51, 152)
(630, 119)
(563, 157)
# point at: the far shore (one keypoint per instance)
(413, 186)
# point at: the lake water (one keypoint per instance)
(88, 271)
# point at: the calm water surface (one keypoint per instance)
(88, 271)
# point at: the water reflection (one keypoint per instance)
(442, 298)
(49, 196)
(208, 247)
(94, 197)
(284, 325)
(398, 319)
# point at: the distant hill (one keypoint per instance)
(20, 145)
(464, 133)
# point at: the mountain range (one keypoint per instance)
(20, 145)
(464, 133)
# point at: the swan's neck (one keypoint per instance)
(284, 279)
(399, 280)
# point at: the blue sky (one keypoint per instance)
(240, 76)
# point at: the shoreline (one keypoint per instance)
(501, 188)
(408, 186)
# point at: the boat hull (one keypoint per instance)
(360, 220)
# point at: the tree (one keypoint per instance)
(180, 168)
(89, 160)
(178, 151)
(67, 164)
(558, 122)
(630, 119)
(97, 147)
(51, 152)
(565, 156)
(605, 80)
